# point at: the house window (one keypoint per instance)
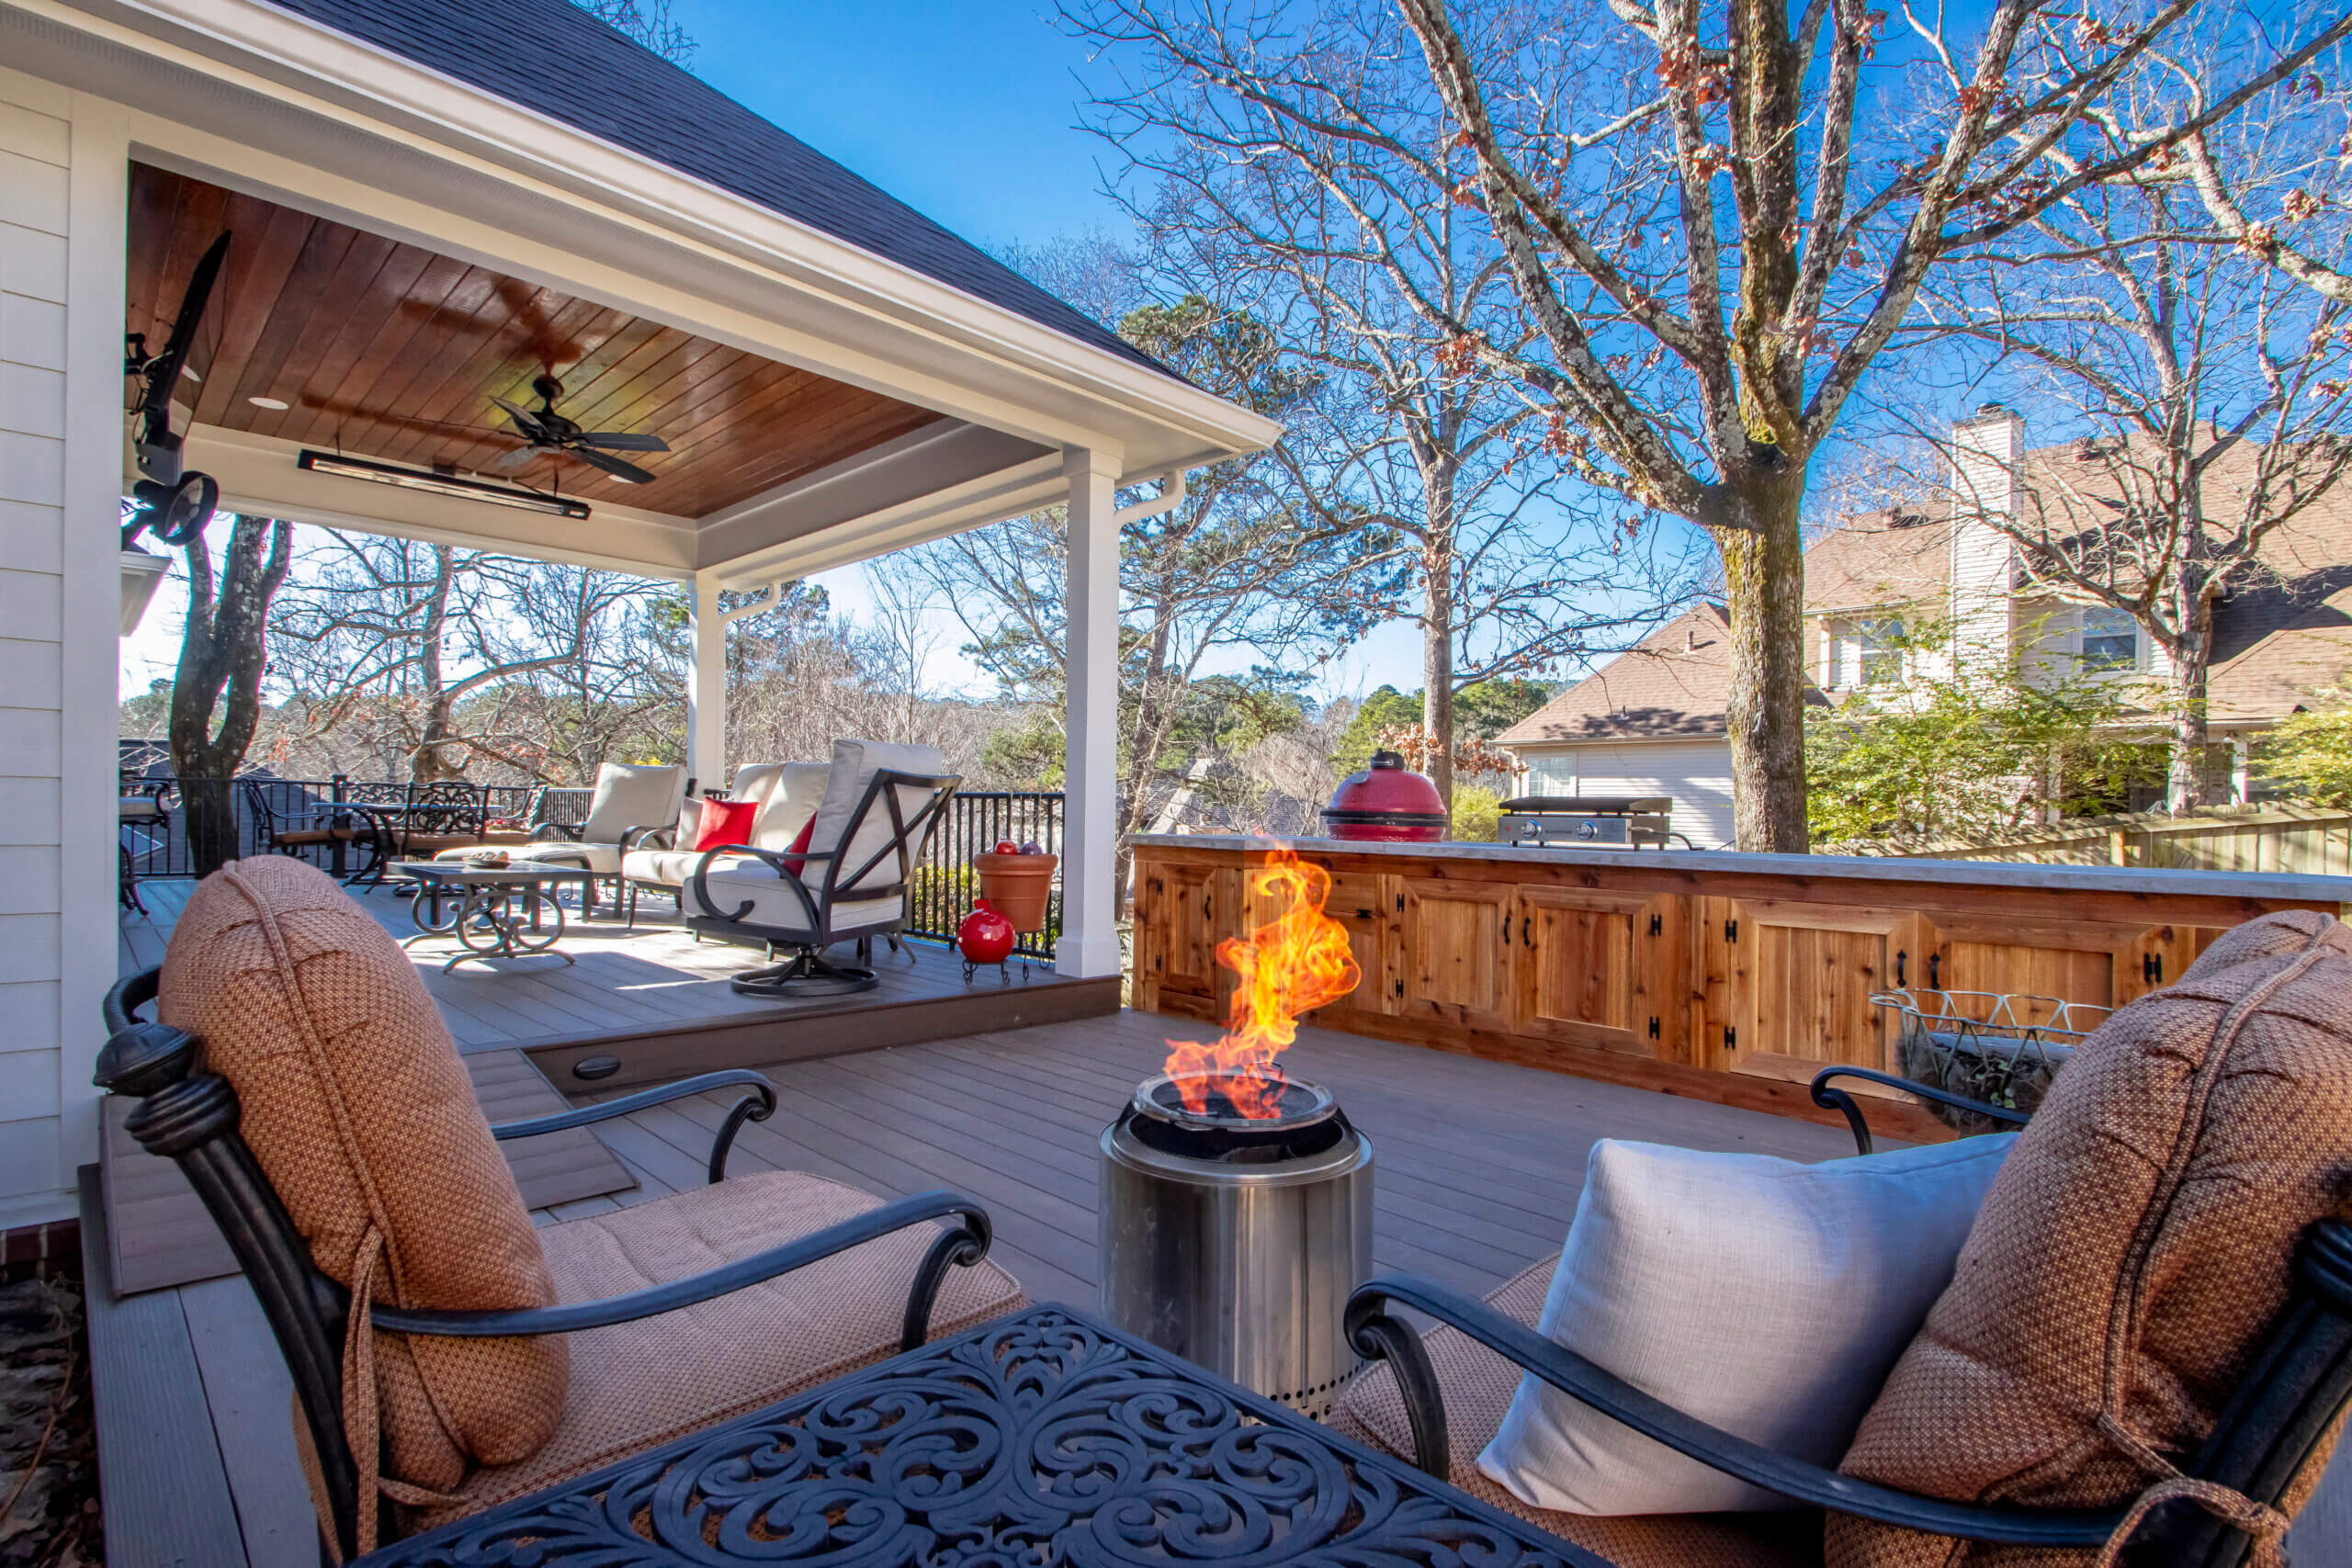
(1878, 650)
(2110, 640)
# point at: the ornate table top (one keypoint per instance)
(1041, 1441)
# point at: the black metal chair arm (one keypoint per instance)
(554, 832)
(966, 1244)
(649, 838)
(775, 860)
(756, 1106)
(1374, 1332)
(1838, 1100)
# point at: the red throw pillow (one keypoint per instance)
(796, 855)
(725, 822)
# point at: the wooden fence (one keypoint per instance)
(2269, 837)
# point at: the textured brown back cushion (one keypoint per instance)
(356, 1106)
(2133, 1251)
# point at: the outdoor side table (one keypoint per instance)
(506, 911)
(1046, 1439)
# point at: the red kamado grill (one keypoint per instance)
(1586, 821)
(1387, 803)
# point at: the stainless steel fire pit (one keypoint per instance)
(1234, 1241)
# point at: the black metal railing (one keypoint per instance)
(975, 822)
(164, 850)
(944, 890)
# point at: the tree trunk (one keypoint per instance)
(1437, 670)
(2192, 660)
(216, 690)
(1764, 590)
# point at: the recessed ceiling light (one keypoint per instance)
(277, 405)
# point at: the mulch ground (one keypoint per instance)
(49, 1452)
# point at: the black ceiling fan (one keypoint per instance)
(550, 434)
(157, 446)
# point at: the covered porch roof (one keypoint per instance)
(433, 206)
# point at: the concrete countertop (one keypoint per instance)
(1858, 868)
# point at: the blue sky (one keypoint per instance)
(966, 109)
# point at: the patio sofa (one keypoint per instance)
(446, 1355)
(786, 795)
(2146, 1339)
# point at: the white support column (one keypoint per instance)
(1090, 939)
(706, 690)
(2241, 768)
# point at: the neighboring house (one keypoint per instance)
(1651, 721)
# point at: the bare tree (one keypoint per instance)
(216, 690)
(2201, 390)
(650, 22)
(1696, 343)
(460, 654)
(903, 602)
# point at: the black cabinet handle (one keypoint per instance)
(1899, 982)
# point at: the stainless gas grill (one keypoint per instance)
(1586, 821)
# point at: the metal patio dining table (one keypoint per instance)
(1045, 1438)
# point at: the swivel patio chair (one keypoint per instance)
(850, 884)
(301, 1078)
(2177, 1408)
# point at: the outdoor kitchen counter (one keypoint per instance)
(1724, 976)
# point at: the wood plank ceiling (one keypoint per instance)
(385, 350)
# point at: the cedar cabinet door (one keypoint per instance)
(1597, 969)
(1785, 988)
(1365, 905)
(1453, 954)
(2074, 960)
(1194, 906)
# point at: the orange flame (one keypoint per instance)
(1298, 962)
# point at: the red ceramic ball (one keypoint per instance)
(985, 936)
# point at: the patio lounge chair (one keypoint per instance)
(632, 800)
(881, 804)
(2172, 1220)
(787, 796)
(446, 1357)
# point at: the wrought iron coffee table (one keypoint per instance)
(505, 912)
(1041, 1441)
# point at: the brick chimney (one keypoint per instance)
(1987, 450)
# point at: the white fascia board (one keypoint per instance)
(257, 476)
(925, 469)
(1010, 493)
(287, 60)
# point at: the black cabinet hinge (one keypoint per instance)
(1400, 988)
(2152, 968)
(1658, 924)
(1653, 1028)
(1730, 930)
(1731, 1038)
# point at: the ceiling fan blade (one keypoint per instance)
(622, 441)
(613, 466)
(521, 458)
(524, 419)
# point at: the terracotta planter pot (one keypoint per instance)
(1018, 887)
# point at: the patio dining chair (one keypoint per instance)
(446, 1357)
(288, 832)
(849, 881)
(2145, 1350)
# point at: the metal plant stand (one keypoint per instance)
(1045, 1439)
(508, 912)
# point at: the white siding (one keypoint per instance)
(1695, 774)
(1985, 454)
(60, 439)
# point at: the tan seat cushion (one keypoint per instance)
(2134, 1249)
(635, 1385)
(358, 1108)
(1478, 1386)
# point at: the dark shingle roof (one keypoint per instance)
(551, 57)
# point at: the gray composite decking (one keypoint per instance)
(1479, 1165)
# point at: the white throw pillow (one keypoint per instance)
(1763, 1296)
